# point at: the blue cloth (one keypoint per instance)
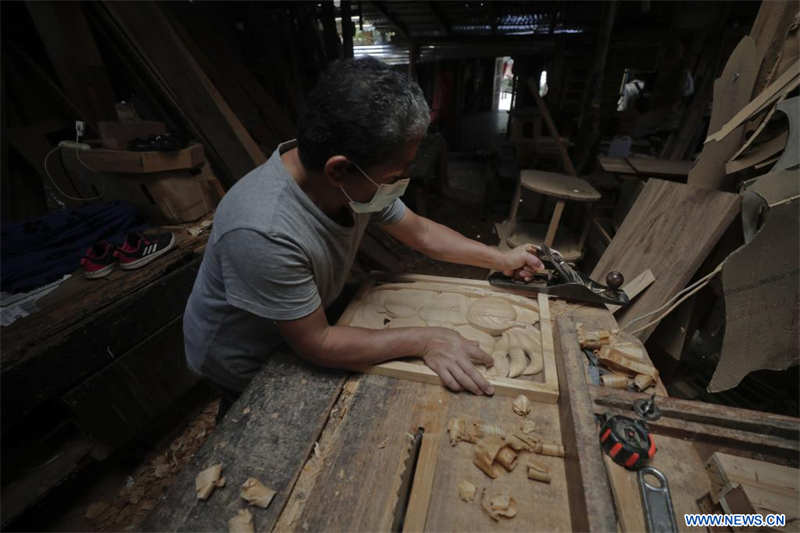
(42, 250)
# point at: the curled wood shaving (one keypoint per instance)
(241, 523)
(486, 449)
(459, 429)
(507, 457)
(207, 480)
(552, 449)
(499, 505)
(466, 491)
(538, 471)
(528, 427)
(521, 405)
(253, 491)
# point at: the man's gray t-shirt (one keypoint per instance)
(272, 255)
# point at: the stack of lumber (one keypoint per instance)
(740, 485)
(683, 232)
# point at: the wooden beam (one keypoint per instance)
(590, 501)
(145, 30)
(74, 55)
(440, 17)
(396, 22)
(551, 127)
(348, 29)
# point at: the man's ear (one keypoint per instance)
(336, 169)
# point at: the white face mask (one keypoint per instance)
(383, 197)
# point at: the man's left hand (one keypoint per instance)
(522, 262)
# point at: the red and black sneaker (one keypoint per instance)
(99, 260)
(139, 249)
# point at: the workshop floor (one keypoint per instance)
(120, 492)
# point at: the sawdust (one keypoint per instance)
(153, 477)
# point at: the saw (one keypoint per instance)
(559, 279)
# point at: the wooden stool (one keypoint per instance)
(562, 187)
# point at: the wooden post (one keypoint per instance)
(74, 55)
(348, 29)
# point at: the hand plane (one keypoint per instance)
(562, 281)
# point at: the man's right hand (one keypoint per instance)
(452, 356)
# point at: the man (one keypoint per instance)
(285, 237)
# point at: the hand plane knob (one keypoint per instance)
(614, 280)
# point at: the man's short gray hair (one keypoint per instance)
(362, 109)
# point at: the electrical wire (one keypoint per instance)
(53, 182)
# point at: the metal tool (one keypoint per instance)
(561, 280)
(646, 408)
(627, 441)
(657, 502)
(594, 366)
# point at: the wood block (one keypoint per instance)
(725, 470)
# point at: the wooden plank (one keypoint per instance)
(267, 434)
(633, 287)
(760, 153)
(434, 425)
(670, 229)
(145, 27)
(73, 53)
(731, 91)
(725, 469)
(540, 506)
(351, 482)
(590, 495)
(788, 81)
(670, 168)
(615, 165)
(217, 54)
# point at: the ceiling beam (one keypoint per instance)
(396, 22)
(440, 18)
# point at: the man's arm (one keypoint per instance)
(443, 244)
(445, 351)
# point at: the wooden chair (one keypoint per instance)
(563, 188)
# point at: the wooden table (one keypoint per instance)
(334, 447)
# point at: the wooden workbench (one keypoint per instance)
(334, 447)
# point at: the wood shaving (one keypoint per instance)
(521, 405)
(499, 505)
(552, 449)
(486, 449)
(643, 382)
(507, 457)
(528, 427)
(207, 480)
(538, 471)
(592, 339)
(256, 493)
(466, 491)
(241, 523)
(618, 360)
